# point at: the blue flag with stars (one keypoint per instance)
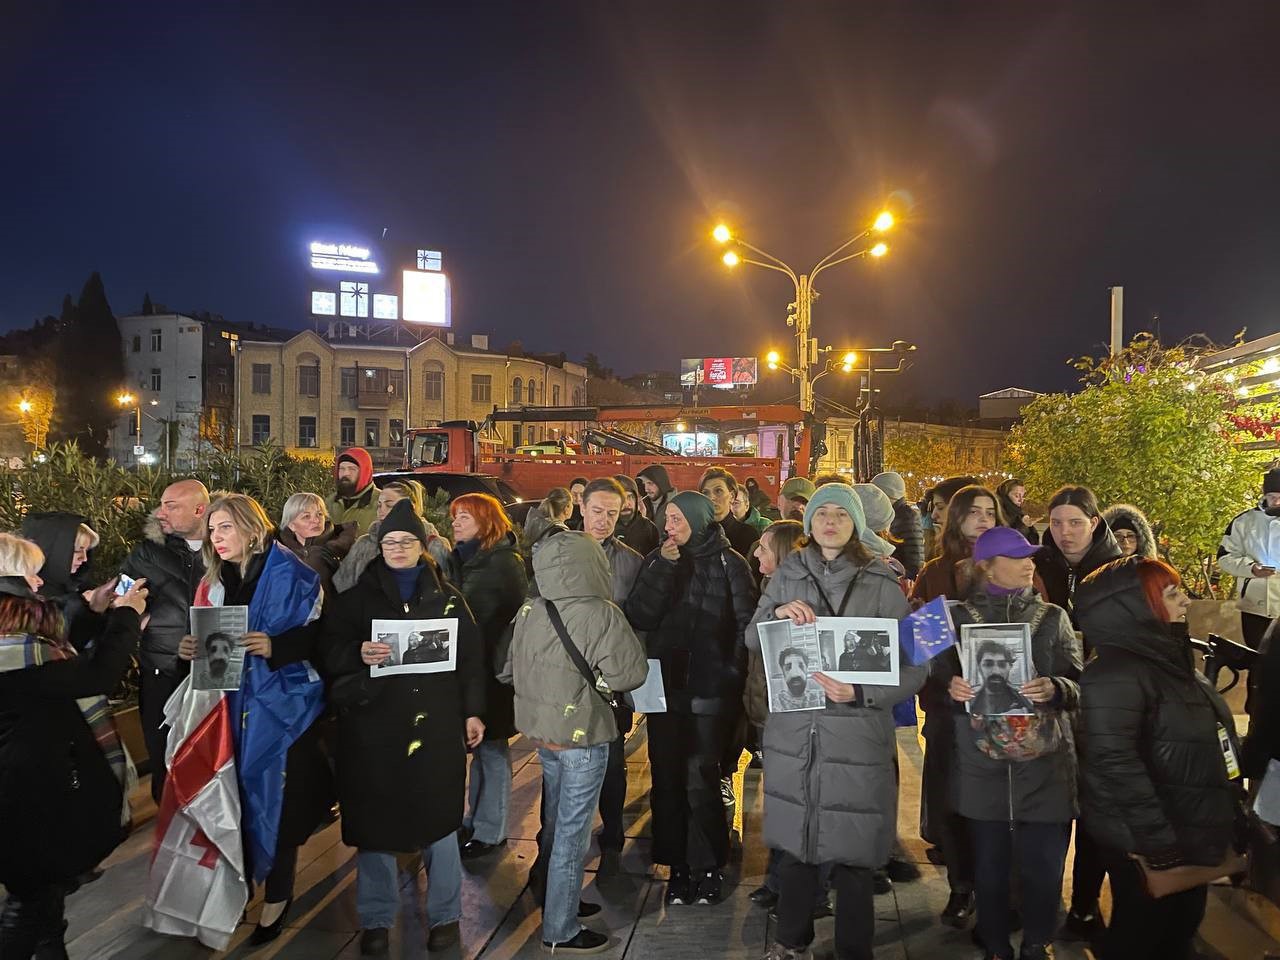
(928, 632)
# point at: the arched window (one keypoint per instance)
(517, 386)
(555, 395)
(577, 397)
(532, 387)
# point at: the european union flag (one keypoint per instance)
(273, 708)
(927, 632)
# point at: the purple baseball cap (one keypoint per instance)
(1002, 542)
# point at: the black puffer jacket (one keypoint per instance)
(494, 583)
(173, 572)
(742, 536)
(907, 528)
(55, 534)
(1154, 779)
(695, 611)
(1060, 578)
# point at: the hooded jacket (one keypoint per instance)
(554, 704)
(60, 801)
(1154, 778)
(830, 785)
(638, 533)
(1013, 514)
(1060, 578)
(658, 475)
(173, 573)
(1042, 790)
(1253, 537)
(361, 509)
(907, 529)
(402, 759)
(1137, 521)
(324, 553)
(366, 549)
(694, 612)
(55, 534)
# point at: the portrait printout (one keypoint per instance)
(219, 662)
(996, 660)
(857, 650)
(417, 646)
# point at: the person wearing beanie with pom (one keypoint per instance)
(693, 598)
(830, 789)
(906, 527)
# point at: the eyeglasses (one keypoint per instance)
(1126, 536)
(408, 544)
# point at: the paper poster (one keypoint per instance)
(996, 660)
(219, 662)
(417, 646)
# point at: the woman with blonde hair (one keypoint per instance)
(365, 549)
(62, 764)
(306, 530)
(279, 699)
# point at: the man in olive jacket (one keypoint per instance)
(569, 719)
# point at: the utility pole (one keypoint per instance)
(1117, 320)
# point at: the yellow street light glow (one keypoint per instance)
(771, 359)
(730, 259)
(848, 360)
(24, 406)
(124, 399)
(721, 233)
(884, 221)
(880, 249)
(680, 427)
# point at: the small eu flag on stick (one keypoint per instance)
(928, 632)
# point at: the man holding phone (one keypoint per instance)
(1249, 552)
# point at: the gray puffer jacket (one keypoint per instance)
(365, 550)
(554, 703)
(830, 791)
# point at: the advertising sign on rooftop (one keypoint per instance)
(722, 372)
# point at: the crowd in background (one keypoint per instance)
(1121, 740)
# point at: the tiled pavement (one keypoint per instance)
(500, 922)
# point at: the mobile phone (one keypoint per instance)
(126, 583)
(1266, 568)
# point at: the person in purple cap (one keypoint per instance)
(1014, 776)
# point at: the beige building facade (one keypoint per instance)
(310, 394)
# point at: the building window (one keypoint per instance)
(555, 395)
(433, 387)
(348, 387)
(481, 388)
(262, 378)
(306, 431)
(155, 378)
(842, 452)
(373, 433)
(137, 343)
(309, 381)
(156, 340)
(516, 386)
(395, 433)
(353, 298)
(347, 432)
(395, 383)
(261, 429)
(577, 397)
(531, 396)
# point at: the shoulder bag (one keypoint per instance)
(594, 680)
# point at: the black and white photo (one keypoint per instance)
(858, 650)
(996, 660)
(219, 661)
(791, 658)
(417, 646)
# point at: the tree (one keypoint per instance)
(1149, 429)
(90, 369)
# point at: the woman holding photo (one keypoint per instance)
(830, 790)
(1014, 776)
(402, 739)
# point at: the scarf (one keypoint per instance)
(27, 651)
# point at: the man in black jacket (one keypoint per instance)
(634, 528)
(169, 558)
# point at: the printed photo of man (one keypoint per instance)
(996, 695)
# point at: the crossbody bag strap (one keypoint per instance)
(844, 601)
(596, 683)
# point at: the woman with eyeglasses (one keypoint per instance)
(402, 739)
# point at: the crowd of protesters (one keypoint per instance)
(1119, 737)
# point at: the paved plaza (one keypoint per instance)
(500, 921)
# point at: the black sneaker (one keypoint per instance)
(444, 936)
(880, 881)
(586, 909)
(679, 887)
(587, 941)
(1082, 926)
(902, 871)
(763, 897)
(959, 909)
(375, 942)
(709, 888)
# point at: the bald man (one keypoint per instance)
(169, 557)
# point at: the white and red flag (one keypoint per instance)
(196, 886)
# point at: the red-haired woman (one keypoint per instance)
(489, 571)
(1158, 778)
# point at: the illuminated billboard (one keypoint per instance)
(324, 303)
(343, 257)
(723, 373)
(692, 444)
(426, 298)
(386, 306)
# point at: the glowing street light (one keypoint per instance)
(883, 222)
(125, 399)
(721, 233)
(25, 406)
(730, 259)
(879, 250)
(771, 359)
(848, 360)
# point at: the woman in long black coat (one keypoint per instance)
(402, 738)
(61, 779)
(486, 566)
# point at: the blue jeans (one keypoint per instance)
(571, 781)
(489, 792)
(378, 892)
(1037, 851)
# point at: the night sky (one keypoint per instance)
(571, 158)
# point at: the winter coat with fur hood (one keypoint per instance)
(173, 571)
(1130, 516)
